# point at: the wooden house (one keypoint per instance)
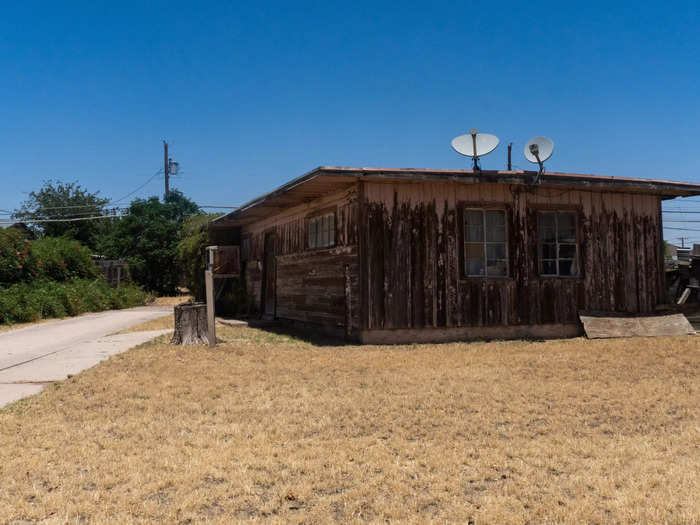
(410, 255)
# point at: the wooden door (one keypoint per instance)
(269, 277)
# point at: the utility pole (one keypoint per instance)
(165, 170)
(683, 239)
(510, 147)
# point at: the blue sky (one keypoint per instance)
(250, 95)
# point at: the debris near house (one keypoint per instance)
(116, 271)
(190, 324)
(683, 281)
(601, 326)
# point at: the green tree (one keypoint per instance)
(193, 242)
(62, 200)
(148, 238)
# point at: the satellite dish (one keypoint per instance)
(475, 145)
(538, 150)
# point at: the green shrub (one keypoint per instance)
(15, 259)
(62, 259)
(43, 299)
(53, 258)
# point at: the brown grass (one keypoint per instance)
(270, 428)
(172, 301)
(166, 322)
(160, 323)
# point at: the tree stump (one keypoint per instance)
(190, 324)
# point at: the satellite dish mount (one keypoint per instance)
(538, 150)
(535, 150)
(473, 133)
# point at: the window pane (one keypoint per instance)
(331, 232)
(312, 233)
(474, 226)
(496, 251)
(567, 267)
(329, 228)
(548, 267)
(317, 233)
(323, 233)
(474, 259)
(548, 251)
(475, 267)
(547, 227)
(496, 268)
(567, 251)
(566, 226)
(495, 226)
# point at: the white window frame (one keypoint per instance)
(484, 242)
(315, 237)
(556, 244)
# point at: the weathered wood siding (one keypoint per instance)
(310, 284)
(411, 256)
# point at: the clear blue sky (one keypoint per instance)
(250, 95)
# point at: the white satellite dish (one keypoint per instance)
(543, 150)
(538, 150)
(475, 145)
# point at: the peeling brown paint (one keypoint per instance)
(618, 251)
(398, 258)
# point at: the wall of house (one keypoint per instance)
(319, 286)
(411, 256)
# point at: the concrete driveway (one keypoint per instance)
(34, 356)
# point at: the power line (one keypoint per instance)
(71, 207)
(682, 229)
(95, 206)
(74, 219)
(140, 187)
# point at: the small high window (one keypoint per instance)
(320, 231)
(558, 246)
(485, 248)
(245, 248)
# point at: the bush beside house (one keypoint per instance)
(44, 299)
(54, 277)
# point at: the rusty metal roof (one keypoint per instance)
(325, 179)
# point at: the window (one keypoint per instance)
(245, 248)
(558, 248)
(320, 231)
(485, 249)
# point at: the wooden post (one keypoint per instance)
(165, 170)
(211, 320)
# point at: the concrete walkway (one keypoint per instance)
(34, 356)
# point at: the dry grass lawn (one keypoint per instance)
(172, 300)
(269, 428)
(159, 323)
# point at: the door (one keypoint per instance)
(269, 277)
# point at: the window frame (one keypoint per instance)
(246, 244)
(483, 208)
(318, 215)
(576, 260)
